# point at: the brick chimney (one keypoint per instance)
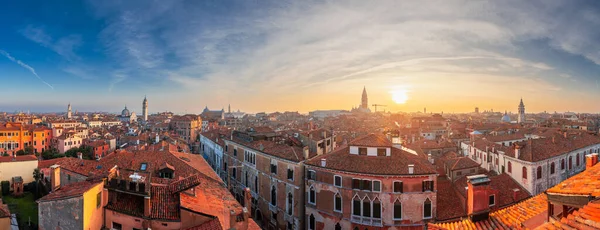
(147, 206)
(232, 219)
(516, 194)
(306, 152)
(591, 160)
(517, 151)
(55, 177)
(478, 192)
(247, 201)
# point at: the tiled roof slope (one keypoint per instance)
(18, 158)
(461, 163)
(508, 218)
(587, 217)
(448, 205)
(71, 190)
(584, 183)
(396, 164)
(292, 153)
(372, 140)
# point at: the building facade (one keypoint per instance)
(188, 127)
(16, 136)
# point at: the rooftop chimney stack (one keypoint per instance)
(247, 202)
(517, 151)
(591, 160)
(147, 206)
(411, 169)
(478, 197)
(55, 177)
(306, 152)
(323, 162)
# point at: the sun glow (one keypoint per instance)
(400, 96)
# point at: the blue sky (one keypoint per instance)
(299, 55)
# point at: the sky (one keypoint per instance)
(262, 55)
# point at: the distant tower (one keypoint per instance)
(365, 100)
(521, 118)
(229, 108)
(145, 109)
(476, 109)
(425, 110)
(69, 113)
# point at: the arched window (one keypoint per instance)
(376, 208)
(311, 222)
(312, 196)
(338, 226)
(273, 196)
(356, 205)
(290, 204)
(577, 160)
(427, 209)
(570, 162)
(524, 172)
(509, 167)
(337, 202)
(562, 164)
(539, 172)
(552, 168)
(397, 210)
(366, 207)
(256, 184)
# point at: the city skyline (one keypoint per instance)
(449, 56)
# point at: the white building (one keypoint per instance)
(66, 142)
(211, 146)
(537, 163)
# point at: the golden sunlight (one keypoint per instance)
(400, 96)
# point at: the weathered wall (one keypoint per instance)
(128, 222)
(92, 213)
(190, 219)
(67, 177)
(61, 214)
(5, 223)
(18, 168)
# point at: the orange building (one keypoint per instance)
(16, 136)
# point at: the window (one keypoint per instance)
(377, 209)
(362, 151)
(337, 181)
(98, 200)
(312, 196)
(552, 168)
(570, 162)
(492, 200)
(562, 164)
(356, 183)
(381, 152)
(509, 167)
(290, 174)
(398, 186)
(366, 207)
(117, 226)
(577, 160)
(427, 209)
(273, 196)
(256, 184)
(338, 226)
(524, 172)
(311, 175)
(539, 172)
(458, 173)
(356, 206)
(337, 202)
(290, 204)
(234, 173)
(226, 148)
(289, 226)
(311, 222)
(366, 185)
(143, 167)
(427, 185)
(274, 167)
(397, 210)
(235, 152)
(376, 186)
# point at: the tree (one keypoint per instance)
(5, 187)
(20, 152)
(37, 174)
(29, 150)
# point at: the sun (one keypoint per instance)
(400, 96)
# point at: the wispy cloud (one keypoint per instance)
(64, 46)
(79, 72)
(22, 64)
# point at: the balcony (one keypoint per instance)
(366, 220)
(272, 208)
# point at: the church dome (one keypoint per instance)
(125, 112)
(505, 118)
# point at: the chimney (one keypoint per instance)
(323, 162)
(232, 219)
(516, 194)
(55, 177)
(478, 192)
(553, 140)
(248, 203)
(565, 134)
(306, 153)
(80, 155)
(147, 206)
(591, 160)
(517, 151)
(411, 169)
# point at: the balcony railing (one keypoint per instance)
(366, 220)
(272, 208)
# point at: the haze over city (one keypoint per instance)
(448, 56)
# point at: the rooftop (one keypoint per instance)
(585, 183)
(371, 140)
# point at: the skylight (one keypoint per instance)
(143, 166)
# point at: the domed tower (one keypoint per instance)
(125, 112)
(521, 117)
(145, 109)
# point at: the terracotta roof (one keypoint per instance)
(292, 153)
(18, 158)
(185, 184)
(431, 144)
(507, 218)
(395, 164)
(213, 224)
(587, 217)
(502, 183)
(461, 163)
(165, 204)
(71, 190)
(448, 205)
(584, 183)
(372, 140)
